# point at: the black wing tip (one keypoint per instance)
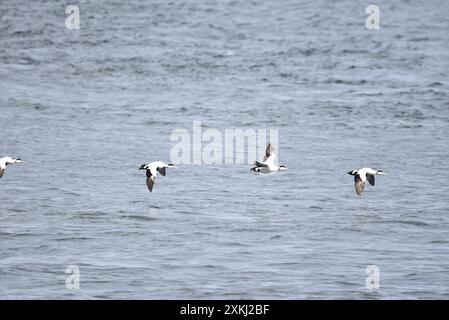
(269, 149)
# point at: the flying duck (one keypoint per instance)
(361, 176)
(152, 169)
(268, 164)
(5, 161)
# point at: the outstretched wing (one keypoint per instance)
(359, 185)
(150, 180)
(2, 171)
(260, 164)
(161, 170)
(150, 183)
(371, 179)
(268, 152)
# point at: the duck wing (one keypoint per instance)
(260, 164)
(150, 180)
(359, 185)
(161, 170)
(268, 152)
(371, 179)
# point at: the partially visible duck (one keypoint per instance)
(363, 175)
(5, 161)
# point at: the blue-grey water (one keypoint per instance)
(85, 108)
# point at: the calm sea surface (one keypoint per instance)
(85, 108)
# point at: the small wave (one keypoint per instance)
(74, 238)
(370, 94)
(357, 52)
(439, 241)
(347, 82)
(141, 218)
(408, 222)
(410, 115)
(407, 126)
(435, 84)
(13, 234)
(419, 39)
(158, 123)
(89, 215)
(26, 60)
